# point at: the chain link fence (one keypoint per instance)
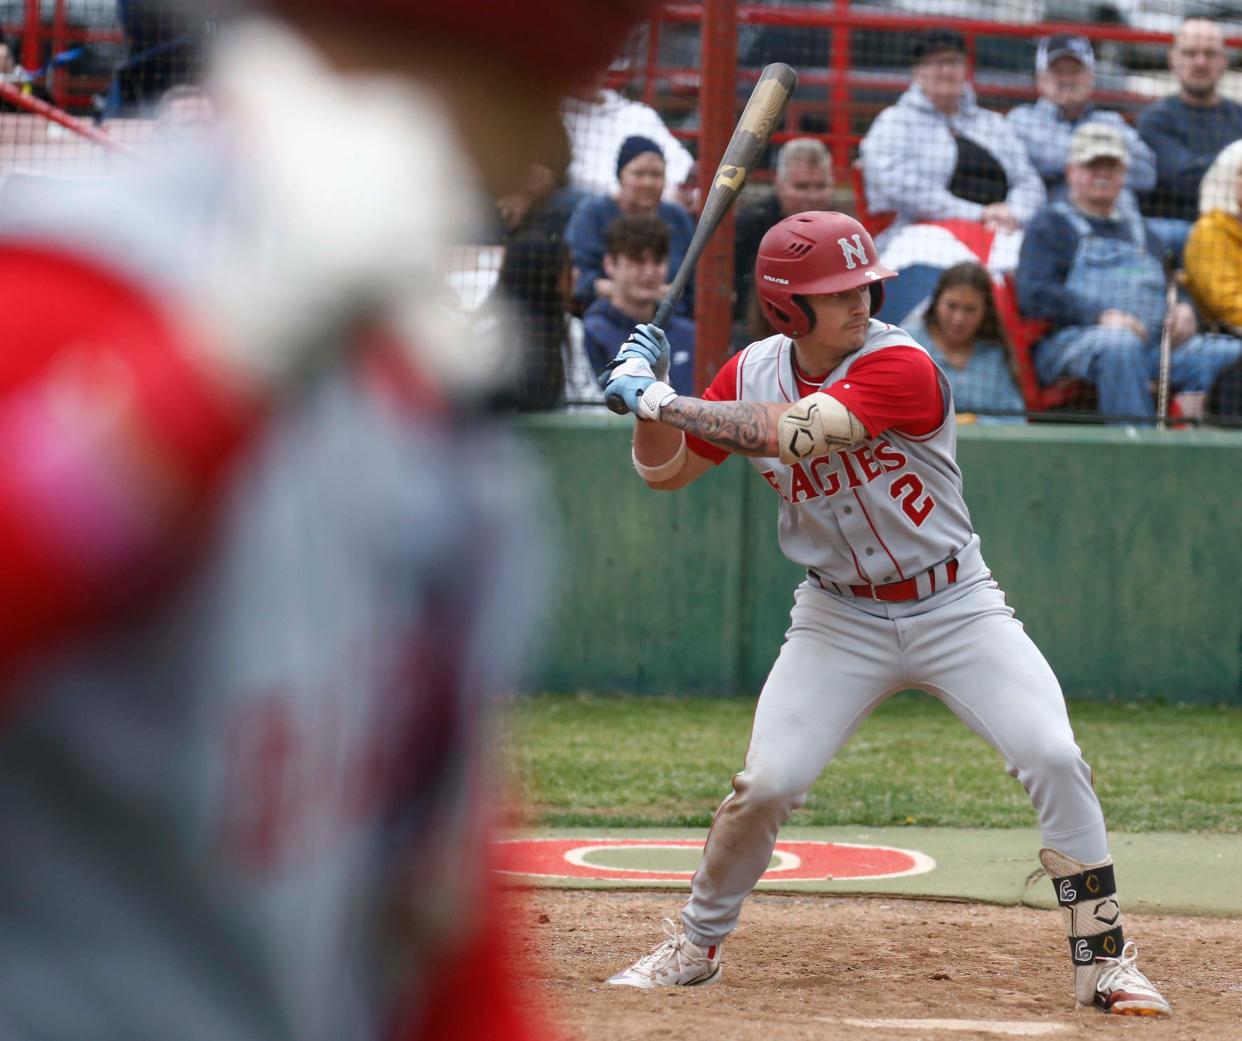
(1056, 182)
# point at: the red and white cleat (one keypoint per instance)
(1124, 991)
(673, 962)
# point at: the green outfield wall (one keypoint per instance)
(1120, 550)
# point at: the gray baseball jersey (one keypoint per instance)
(248, 811)
(884, 510)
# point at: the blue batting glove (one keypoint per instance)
(648, 342)
(626, 378)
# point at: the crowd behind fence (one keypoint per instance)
(1060, 197)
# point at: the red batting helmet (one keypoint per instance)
(810, 253)
(563, 42)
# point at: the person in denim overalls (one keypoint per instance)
(1106, 299)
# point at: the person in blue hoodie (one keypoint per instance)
(635, 263)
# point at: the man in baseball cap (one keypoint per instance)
(937, 154)
(1094, 141)
(1096, 273)
(1065, 77)
(842, 415)
(1064, 45)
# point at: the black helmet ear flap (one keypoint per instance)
(877, 297)
(805, 308)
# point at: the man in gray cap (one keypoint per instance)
(1097, 275)
(1065, 76)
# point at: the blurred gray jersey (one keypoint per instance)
(209, 812)
(881, 511)
(247, 812)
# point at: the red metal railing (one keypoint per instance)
(40, 42)
(840, 78)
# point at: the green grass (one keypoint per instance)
(620, 761)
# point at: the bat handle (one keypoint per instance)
(662, 315)
(664, 312)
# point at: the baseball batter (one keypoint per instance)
(852, 425)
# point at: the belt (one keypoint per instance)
(941, 576)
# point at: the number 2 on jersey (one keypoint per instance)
(914, 509)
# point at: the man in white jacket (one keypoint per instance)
(937, 155)
(598, 120)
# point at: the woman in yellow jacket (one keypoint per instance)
(1214, 249)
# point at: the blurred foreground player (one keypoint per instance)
(257, 569)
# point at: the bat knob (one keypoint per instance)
(615, 404)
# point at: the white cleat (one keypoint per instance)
(1124, 991)
(673, 962)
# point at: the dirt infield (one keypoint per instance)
(855, 969)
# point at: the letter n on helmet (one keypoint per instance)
(812, 253)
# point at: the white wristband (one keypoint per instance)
(665, 470)
(654, 398)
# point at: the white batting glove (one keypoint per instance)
(648, 341)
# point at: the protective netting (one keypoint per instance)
(87, 83)
(1056, 182)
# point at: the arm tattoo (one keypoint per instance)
(739, 426)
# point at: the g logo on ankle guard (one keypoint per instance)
(1066, 892)
(1082, 953)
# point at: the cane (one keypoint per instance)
(1166, 355)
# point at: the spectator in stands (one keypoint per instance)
(687, 195)
(166, 43)
(545, 201)
(599, 120)
(962, 331)
(8, 63)
(1065, 76)
(1214, 249)
(1098, 275)
(1187, 130)
(635, 263)
(641, 178)
(186, 109)
(536, 278)
(1224, 399)
(937, 155)
(803, 182)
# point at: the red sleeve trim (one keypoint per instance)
(111, 440)
(725, 387)
(897, 388)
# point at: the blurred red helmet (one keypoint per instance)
(810, 253)
(563, 42)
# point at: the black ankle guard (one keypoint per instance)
(1096, 890)
(1092, 884)
(1086, 949)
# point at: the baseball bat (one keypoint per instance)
(763, 114)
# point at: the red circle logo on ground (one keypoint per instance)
(674, 860)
